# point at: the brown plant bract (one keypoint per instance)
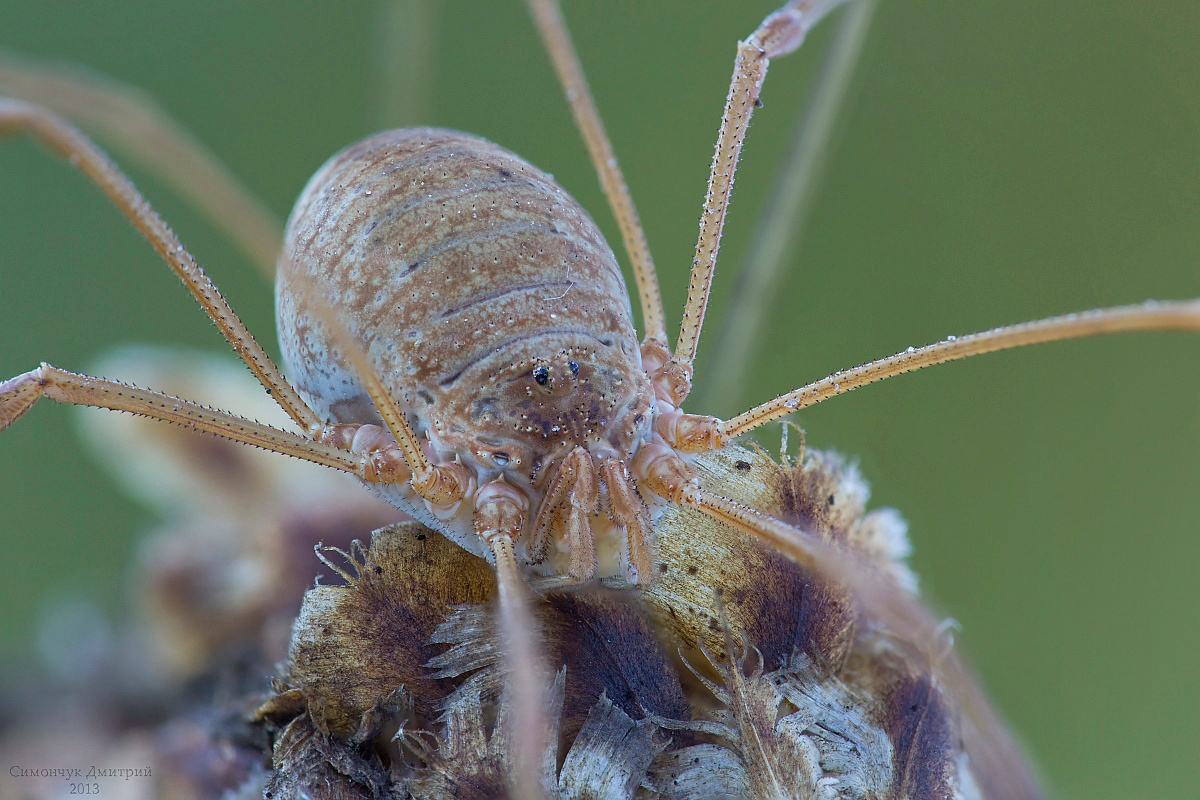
(812, 701)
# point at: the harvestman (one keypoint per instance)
(564, 496)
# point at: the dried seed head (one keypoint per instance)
(810, 694)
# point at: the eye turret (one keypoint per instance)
(555, 377)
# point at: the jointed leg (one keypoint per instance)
(134, 124)
(1177, 315)
(20, 393)
(785, 214)
(562, 53)
(62, 138)
(440, 484)
(779, 34)
(630, 514)
(561, 485)
(660, 470)
(500, 513)
(693, 433)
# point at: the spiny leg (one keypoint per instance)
(779, 34)
(553, 30)
(1176, 315)
(17, 395)
(659, 469)
(60, 137)
(552, 502)
(440, 484)
(500, 512)
(785, 215)
(882, 601)
(133, 123)
(694, 433)
(574, 491)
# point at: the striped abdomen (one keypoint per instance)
(482, 293)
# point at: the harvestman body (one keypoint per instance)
(462, 341)
(491, 303)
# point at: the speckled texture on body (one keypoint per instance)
(462, 269)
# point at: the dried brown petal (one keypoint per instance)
(353, 645)
(775, 604)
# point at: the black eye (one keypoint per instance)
(574, 368)
(542, 376)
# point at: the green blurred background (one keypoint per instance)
(997, 161)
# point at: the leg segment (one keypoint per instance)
(661, 471)
(574, 490)
(556, 495)
(1178, 315)
(60, 137)
(499, 518)
(779, 34)
(692, 433)
(440, 484)
(785, 212)
(547, 16)
(20, 393)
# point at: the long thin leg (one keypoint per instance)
(779, 34)
(18, 394)
(784, 217)
(141, 131)
(1179, 315)
(554, 35)
(441, 484)
(500, 513)
(60, 137)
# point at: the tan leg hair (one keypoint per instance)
(61, 138)
(779, 34)
(18, 394)
(1177, 315)
(553, 30)
(499, 518)
(133, 123)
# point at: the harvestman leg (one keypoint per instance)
(785, 212)
(548, 17)
(441, 484)
(132, 122)
(779, 34)
(695, 433)
(18, 394)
